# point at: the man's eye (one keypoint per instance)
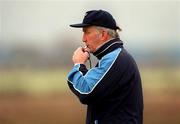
(88, 32)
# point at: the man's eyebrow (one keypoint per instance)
(84, 30)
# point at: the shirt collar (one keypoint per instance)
(108, 47)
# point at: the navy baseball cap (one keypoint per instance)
(98, 18)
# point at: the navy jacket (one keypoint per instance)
(112, 89)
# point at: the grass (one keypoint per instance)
(39, 81)
(33, 81)
(159, 79)
(48, 100)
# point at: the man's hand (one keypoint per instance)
(80, 56)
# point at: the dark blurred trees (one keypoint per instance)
(59, 54)
(32, 56)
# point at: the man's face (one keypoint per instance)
(92, 38)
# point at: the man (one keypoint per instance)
(112, 89)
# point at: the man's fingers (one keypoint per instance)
(80, 56)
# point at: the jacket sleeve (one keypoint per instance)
(93, 85)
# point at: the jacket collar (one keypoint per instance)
(108, 47)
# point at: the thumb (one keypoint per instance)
(86, 53)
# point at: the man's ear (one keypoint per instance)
(105, 35)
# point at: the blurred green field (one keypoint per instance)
(160, 79)
(40, 81)
(43, 97)
(33, 81)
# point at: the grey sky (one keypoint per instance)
(144, 22)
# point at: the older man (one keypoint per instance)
(112, 89)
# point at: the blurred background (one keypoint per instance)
(36, 46)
